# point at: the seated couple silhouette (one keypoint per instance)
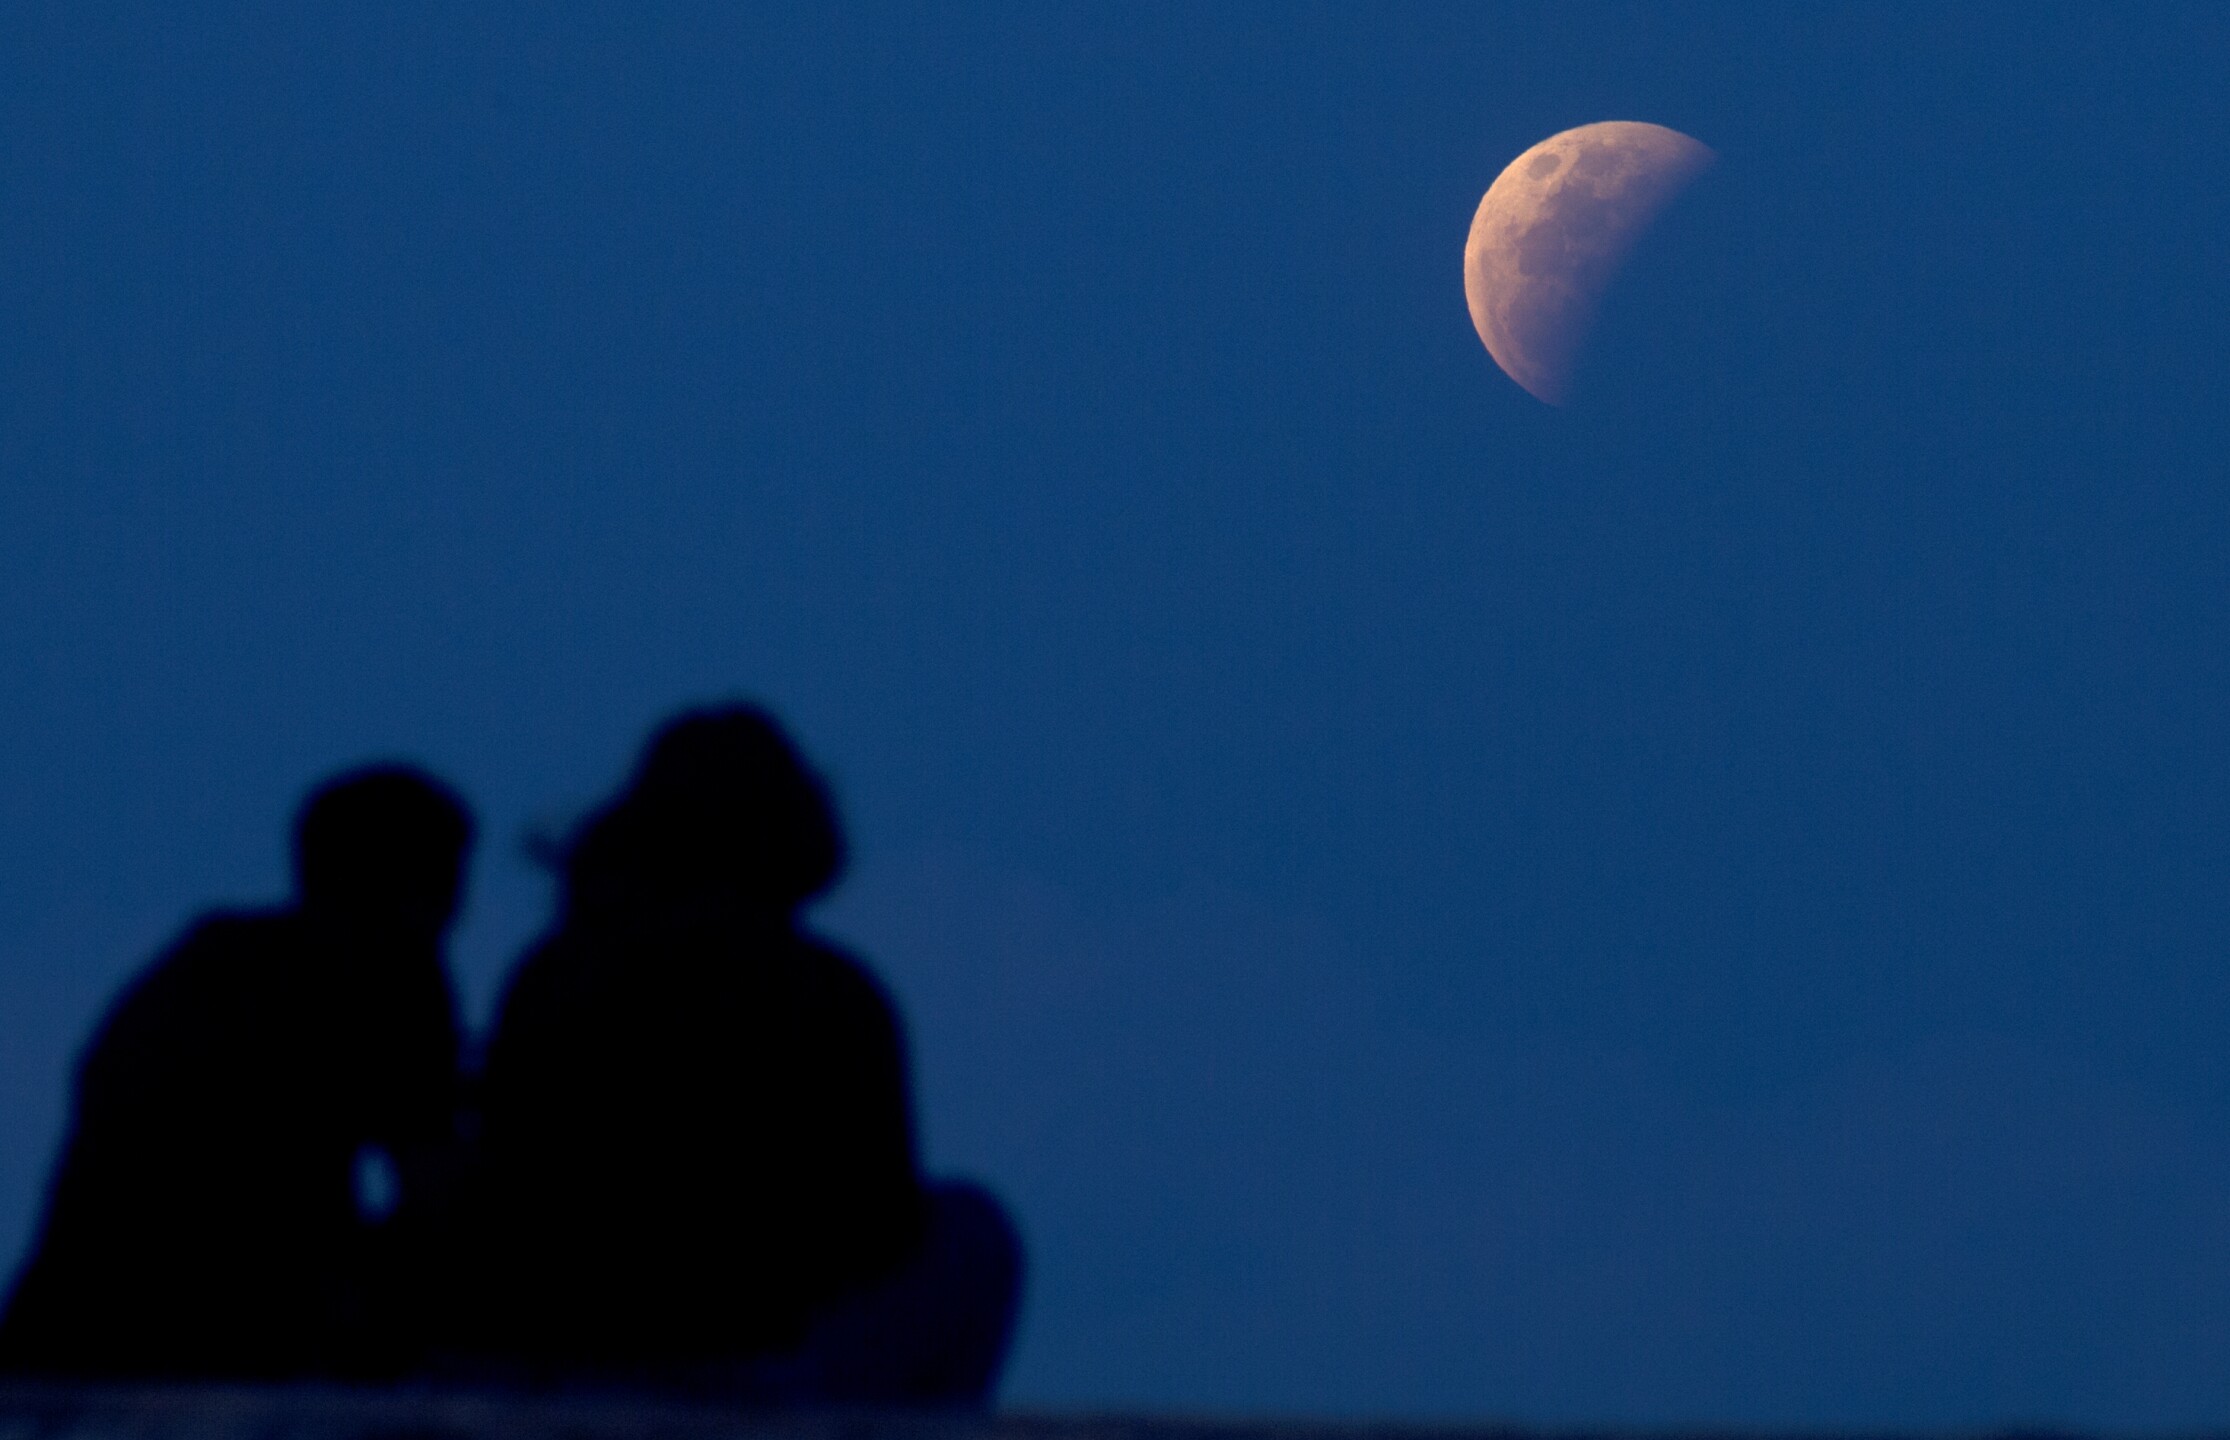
(688, 1160)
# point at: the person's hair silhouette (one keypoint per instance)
(380, 851)
(253, 1117)
(722, 810)
(697, 1140)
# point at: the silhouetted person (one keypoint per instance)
(255, 1118)
(698, 1140)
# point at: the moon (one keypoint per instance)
(1552, 232)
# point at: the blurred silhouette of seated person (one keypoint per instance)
(697, 1142)
(256, 1115)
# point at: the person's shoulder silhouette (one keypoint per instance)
(249, 1108)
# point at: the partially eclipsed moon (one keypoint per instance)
(1552, 232)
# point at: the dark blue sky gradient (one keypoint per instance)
(1708, 905)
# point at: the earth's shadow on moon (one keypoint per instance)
(1684, 329)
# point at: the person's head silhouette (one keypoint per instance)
(382, 849)
(722, 807)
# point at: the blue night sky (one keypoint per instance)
(1706, 905)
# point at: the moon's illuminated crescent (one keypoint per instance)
(1552, 232)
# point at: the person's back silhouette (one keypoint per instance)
(697, 1139)
(249, 1110)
